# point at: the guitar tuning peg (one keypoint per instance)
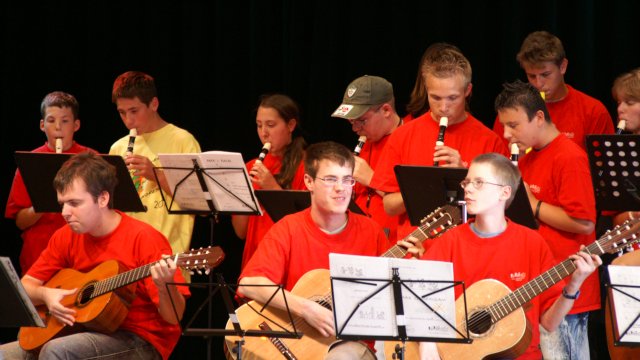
(199, 271)
(191, 272)
(207, 271)
(620, 252)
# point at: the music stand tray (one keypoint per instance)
(39, 169)
(425, 188)
(16, 309)
(280, 203)
(614, 161)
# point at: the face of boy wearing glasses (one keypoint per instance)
(489, 198)
(330, 199)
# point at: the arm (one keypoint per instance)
(556, 217)
(240, 224)
(50, 297)
(363, 173)
(314, 314)
(163, 272)
(624, 216)
(393, 204)
(26, 217)
(585, 265)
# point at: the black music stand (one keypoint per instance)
(626, 294)
(374, 292)
(280, 203)
(16, 309)
(425, 188)
(614, 161)
(227, 291)
(39, 169)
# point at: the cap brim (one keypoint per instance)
(350, 111)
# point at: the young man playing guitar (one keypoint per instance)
(96, 233)
(493, 247)
(301, 242)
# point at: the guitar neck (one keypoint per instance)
(423, 232)
(123, 279)
(536, 286)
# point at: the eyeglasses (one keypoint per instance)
(361, 122)
(477, 183)
(330, 181)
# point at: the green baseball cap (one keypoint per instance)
(363, 93)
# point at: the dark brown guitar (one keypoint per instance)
(103, 296)
(315, 285)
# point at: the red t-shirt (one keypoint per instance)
(576, 116)
(559, 175)
(368, 199)
(134, 244)
(514, 258)
(259, 225)
(295, 245)
(414, 143)
(35, 237)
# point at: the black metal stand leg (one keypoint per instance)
(238, 349)
(399, 352)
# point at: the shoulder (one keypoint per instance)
(577, 96)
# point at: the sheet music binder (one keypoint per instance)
(39, 169)
(627, 293)
(425, 188)
(280, 203)
(16, 309)
(614, 161)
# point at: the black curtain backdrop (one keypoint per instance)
(212, 59)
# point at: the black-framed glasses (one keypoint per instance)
(330, 181)
(477, 183)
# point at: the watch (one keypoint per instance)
(570, 297)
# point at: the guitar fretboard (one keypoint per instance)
(123, 279)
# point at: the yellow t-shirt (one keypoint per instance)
(169, 139)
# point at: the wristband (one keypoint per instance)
(537, 213)
(570, 297)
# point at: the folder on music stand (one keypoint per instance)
(624, 301)
(383, 298)
(425, 188)
(16, 309)
(614, 161)
(280, 203)
(39, 169)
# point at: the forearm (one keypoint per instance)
(26, 217)
(240, 224)
(170, 297)
(34, 289)
(393, 204)
(556, 217)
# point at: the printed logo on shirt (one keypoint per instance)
(534, 188)
(351, 91)
(570, 135)
(518, 276)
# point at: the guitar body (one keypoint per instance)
(621, 352)
(315, 284)
(104, 313)
(508, 338)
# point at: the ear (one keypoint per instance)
(76, 125)
(505, 193)
(154, 104)
(291, 125)
(42, 124)
(103, 199)
(308, 181)
(467, 92)
(563, 66)
(539, 118)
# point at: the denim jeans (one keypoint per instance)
(88, 345)
(569, 341)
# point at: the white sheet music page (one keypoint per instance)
(188, 194)
(626, 307)
(377, 315)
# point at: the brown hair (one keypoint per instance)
(134, 84)
(627, 85)
(328, 150)
(539, 47)
(98, 175)
(60, 99)
(506, 172)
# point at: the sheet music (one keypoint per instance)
(225, 175)
(12, 277)
(376, 316)
(626, 308)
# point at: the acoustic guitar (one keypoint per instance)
(314, 285)
(497, 323)
(103, 296)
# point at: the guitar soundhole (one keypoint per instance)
(86, 294)
(479, 322)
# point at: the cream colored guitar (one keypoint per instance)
(314, 285)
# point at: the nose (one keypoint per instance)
(506, 133)
(65, 211)
(537, 82)
(57, 124)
